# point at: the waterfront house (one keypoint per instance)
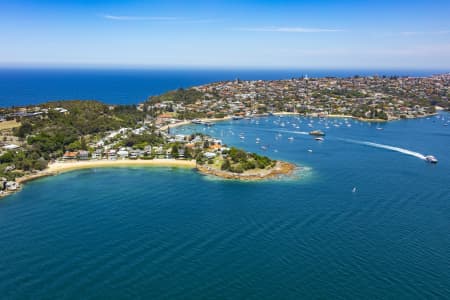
(70, 155)
(11, 185)
(112, 154)
(147, 150)
(122, 153)
(83, 155)
(97, 154)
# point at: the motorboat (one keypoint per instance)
(431, 159)
(320, 139)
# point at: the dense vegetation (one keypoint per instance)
(188, 96)
(238, 161)
(57, 132)
(49, 135)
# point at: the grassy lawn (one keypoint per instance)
(9, 124)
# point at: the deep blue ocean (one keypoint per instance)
(33, 86)
(167, 233)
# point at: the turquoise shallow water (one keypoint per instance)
(163, 233)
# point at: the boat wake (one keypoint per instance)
(294, 132)
(387, 147)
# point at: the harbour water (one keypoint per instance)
(365, 218)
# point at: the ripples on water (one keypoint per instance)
(172, 233)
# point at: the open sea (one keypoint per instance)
(112, 86)
(364, 217)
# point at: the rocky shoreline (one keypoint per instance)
(281, 168)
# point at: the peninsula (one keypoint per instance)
(68, 135)
(63, 135)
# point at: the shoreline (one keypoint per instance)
(314, 115)
(59, 167)
(286, 113)
(281, 168)
(188, 122)
(62, 167)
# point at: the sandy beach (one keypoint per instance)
(60, 167)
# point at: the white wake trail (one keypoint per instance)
(392, 148)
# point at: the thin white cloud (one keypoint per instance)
(414, 33)
(289, 29)
(138, 18)
(174, 20)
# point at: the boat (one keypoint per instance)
(197, 121)
(431, 159)
(317, 133)
(257, 140)
(208, 123)
(237, 118)
(309, 150)
(290, 138)
(320, 139)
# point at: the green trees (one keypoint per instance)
(6, 158)
(238, 161)
(225, 165)
(181, 95)
(24, 130)
(174, 151)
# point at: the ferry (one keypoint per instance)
(317, 133)
(431, 159)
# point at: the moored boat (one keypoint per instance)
(317, 133)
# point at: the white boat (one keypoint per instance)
(257, 140)
(431, 159)
(290, 138)
(309, 150)
(319, 139)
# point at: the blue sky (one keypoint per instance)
(226, 34)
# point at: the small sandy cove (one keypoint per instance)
(60, 167)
